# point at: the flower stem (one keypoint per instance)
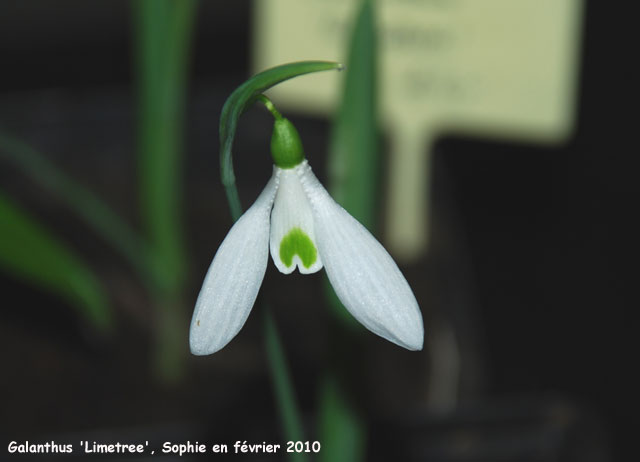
(269, 105)
(282, 385)
(245, 95)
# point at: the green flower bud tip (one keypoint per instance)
(286, 146)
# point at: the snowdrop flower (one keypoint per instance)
(298, 222)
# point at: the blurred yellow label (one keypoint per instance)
(502, 68)
(499, 65)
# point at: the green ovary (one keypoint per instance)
(297, 242)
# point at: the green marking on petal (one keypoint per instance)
(298, 242)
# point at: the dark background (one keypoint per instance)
(534, 240)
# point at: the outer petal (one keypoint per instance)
(293, 241)
(363, 274)
(232, 283)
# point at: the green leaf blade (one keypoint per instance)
(354, 165)
(163, 32)
(29, 252)
(354, 157)
(88, 207)
(342, 429)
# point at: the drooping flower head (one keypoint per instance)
(301, 226)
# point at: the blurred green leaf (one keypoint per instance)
(163, 31)
(30, 252)
(162, 42)
(342, 430)
(354, 159)
(242, 98)
(90, 208)
(353, 172)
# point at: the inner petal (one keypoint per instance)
(292, 240)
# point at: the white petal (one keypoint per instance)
(232, 283)
(363, 274)
(293, 241)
